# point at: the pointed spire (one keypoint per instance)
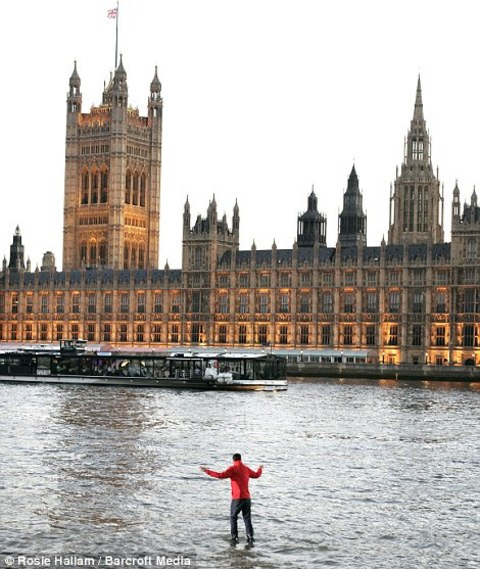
(418, 111)
(155, 85)
(352, 186)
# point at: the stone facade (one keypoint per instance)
(414, 299)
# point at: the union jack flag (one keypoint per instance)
(112, 13)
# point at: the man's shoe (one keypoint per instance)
(250, 539)
(234, 541)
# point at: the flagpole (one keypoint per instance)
(116, 38)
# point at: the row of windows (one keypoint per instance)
(259, 334)
(348, 278)
(198, 301)
(95, 149)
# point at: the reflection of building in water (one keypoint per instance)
(413, 299)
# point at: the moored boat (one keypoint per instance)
(73, 364)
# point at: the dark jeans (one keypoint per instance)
(241, 505)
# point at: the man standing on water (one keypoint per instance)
(239, 475)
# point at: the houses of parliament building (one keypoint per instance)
(413, 299)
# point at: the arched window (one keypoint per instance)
(135, 189)
(103, 253)
(141, 256)
(104, 186)
(128, 186)
(133, 257)
(83, 253)
(93, 253)
(85, 185)
(94, 195)
(126, 251)
(143, 187)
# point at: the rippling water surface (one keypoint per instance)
(358, 474)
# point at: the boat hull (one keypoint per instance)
(172, 383)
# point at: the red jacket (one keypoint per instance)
(239, 475)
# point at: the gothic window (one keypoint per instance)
(284, 303)
(417, 307)
(93, 254)
(59, 332)
(326, 335)
(133, 257)
(175, 304)
(304, 334)
(75, 303)
(222, 334)
(394, 302)
(135, 189)
(244, 279)
(158, 303)
(14, 303)
(196, 335)
(263, 334)
(420, 149)
(143, 187)
(414, 149)
(141, 256)
(74, 332)
(470, 300)
(60, 304)
(30, 304)
(469, 338)
(107, 333)
(327, 302)
(103, 253)
(304, 307)
(471, 250)
(126, 254)
(440, 336)
(441, 302)
(91, 332)
(348, 335)
(104, 187)
(156, 333)
(263, 304)
(128, 186)
(371, 335)
(94, 195)
(122, 333)
(417, 335)
(141, 302)
(349, 303)
(108, 303)
(92, 303)
(124, 302)
(196, 302)
(222, 304)
(285, 279)
(174, 333)
(283, 335)
(44, 304)
(140, 333)
(242, 334)
(85, 187)
(372, 302)
(243, 304)
(393, 335)
(83, 253)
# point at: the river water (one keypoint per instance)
(357, 474)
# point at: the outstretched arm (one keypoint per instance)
(224, 474)
(258, 473)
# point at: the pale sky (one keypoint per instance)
(262, 99)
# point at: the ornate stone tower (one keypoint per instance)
(352, 222)
(312, 225)
(17, 252)
(465, 230)
(416, 206)
(112, 178)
